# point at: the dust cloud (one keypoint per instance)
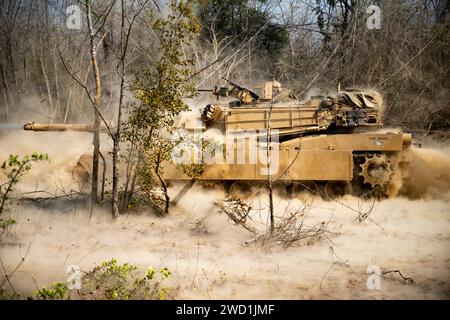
(429, 173)
(52, 177)
(205, 251)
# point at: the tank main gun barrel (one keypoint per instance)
(33, 126)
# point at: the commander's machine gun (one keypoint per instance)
(244, 95)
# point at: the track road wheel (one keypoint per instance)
(299, 189)
(241, 190)
(335, 189)
(281, 189)
(212, 185)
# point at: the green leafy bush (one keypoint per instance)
(113, 281)
(15, 169)
(57, 291)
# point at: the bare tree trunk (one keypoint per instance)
(95, 159)
(56, 111)
(116, 137)
(6, 93)
(269, 163)
(124, 37)
(97, 101)
(116, 143)
(47, 85)
(115, 186)
(130, 191)
(66, 112)
(163, 184)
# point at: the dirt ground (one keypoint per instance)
(206, 252)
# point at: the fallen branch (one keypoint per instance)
(337, 260)
(237, 211)
(406, 279)
(288, 230)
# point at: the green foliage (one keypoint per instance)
(165, 272)
(57, 291)
(108, 280)
(5, 224)
(193, 170)
(111, 267)
(322, 23)
(329, 23)
(114, 281)
(15, 168)
(239, 20)
(160, 91)
(182, 150)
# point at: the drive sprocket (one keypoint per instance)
(377, 170)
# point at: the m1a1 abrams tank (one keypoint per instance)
(329, 145)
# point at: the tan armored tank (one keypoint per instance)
(327, 145)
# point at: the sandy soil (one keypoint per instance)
(206, 252)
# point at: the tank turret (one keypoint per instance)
(350, 109)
